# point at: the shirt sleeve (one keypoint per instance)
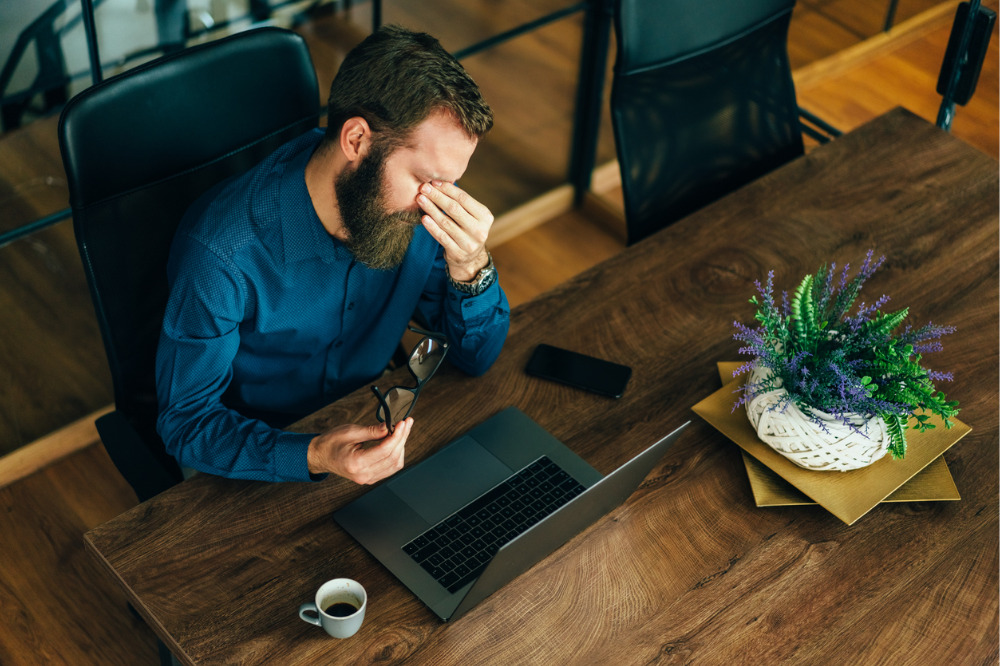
(476, 326)
(198, 343)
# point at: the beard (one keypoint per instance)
(376, 237)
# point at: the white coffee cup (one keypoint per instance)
(339, 607)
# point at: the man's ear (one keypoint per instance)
(355, 138)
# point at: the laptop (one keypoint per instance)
(487, 507)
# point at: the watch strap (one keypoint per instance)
(486, 277)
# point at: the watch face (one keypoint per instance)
(486, 278)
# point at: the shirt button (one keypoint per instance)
(337, 344)
(350, 306)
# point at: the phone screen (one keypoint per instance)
(579, 370)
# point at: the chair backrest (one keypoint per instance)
(702, 102)
(138, 149)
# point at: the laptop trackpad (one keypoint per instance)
(449, 479)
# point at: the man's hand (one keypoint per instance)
(460, 224)
(342, 451)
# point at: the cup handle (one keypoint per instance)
(304, 611)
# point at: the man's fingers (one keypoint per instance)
(362, 453)
(446, 203)
(451, 228)
(461, 233)
(376, 432)
(387, 457)
(440, 207)
(465, 200)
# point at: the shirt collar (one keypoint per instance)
(303, 233)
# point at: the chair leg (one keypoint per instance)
(167, 657)
(890, 16)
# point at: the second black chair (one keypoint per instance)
(702, 102)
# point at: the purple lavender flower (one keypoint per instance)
(841, 363)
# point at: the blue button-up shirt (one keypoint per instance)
(270, 318)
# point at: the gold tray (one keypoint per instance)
(776, 481)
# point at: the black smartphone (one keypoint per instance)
(579, 370)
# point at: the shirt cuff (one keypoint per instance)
(475, 307)
(291, 458)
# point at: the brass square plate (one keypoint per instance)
(777, 481)
(933, 483)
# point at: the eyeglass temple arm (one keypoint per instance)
(385, 409)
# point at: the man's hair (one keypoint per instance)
(395, 78)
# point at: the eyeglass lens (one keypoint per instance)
(424, 360)
(399, 401)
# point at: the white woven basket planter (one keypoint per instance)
(793, 434)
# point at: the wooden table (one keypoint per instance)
(688, 568)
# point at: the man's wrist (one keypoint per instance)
(312, 457)
(477, 282)
(470, 271)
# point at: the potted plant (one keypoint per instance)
(831, 390)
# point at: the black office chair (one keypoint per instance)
(138, 149)
(702, 102)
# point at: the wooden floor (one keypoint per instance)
(54, 362)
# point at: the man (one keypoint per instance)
(292, 284)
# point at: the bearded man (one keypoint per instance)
(292, 284)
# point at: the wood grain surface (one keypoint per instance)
(688, 568)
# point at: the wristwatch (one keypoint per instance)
(480, 283)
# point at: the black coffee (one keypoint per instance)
(340, 609)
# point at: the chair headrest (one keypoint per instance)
(186, 109)
(654, 32)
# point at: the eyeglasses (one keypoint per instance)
(397, 403)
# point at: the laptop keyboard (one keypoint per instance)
(457, 549)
